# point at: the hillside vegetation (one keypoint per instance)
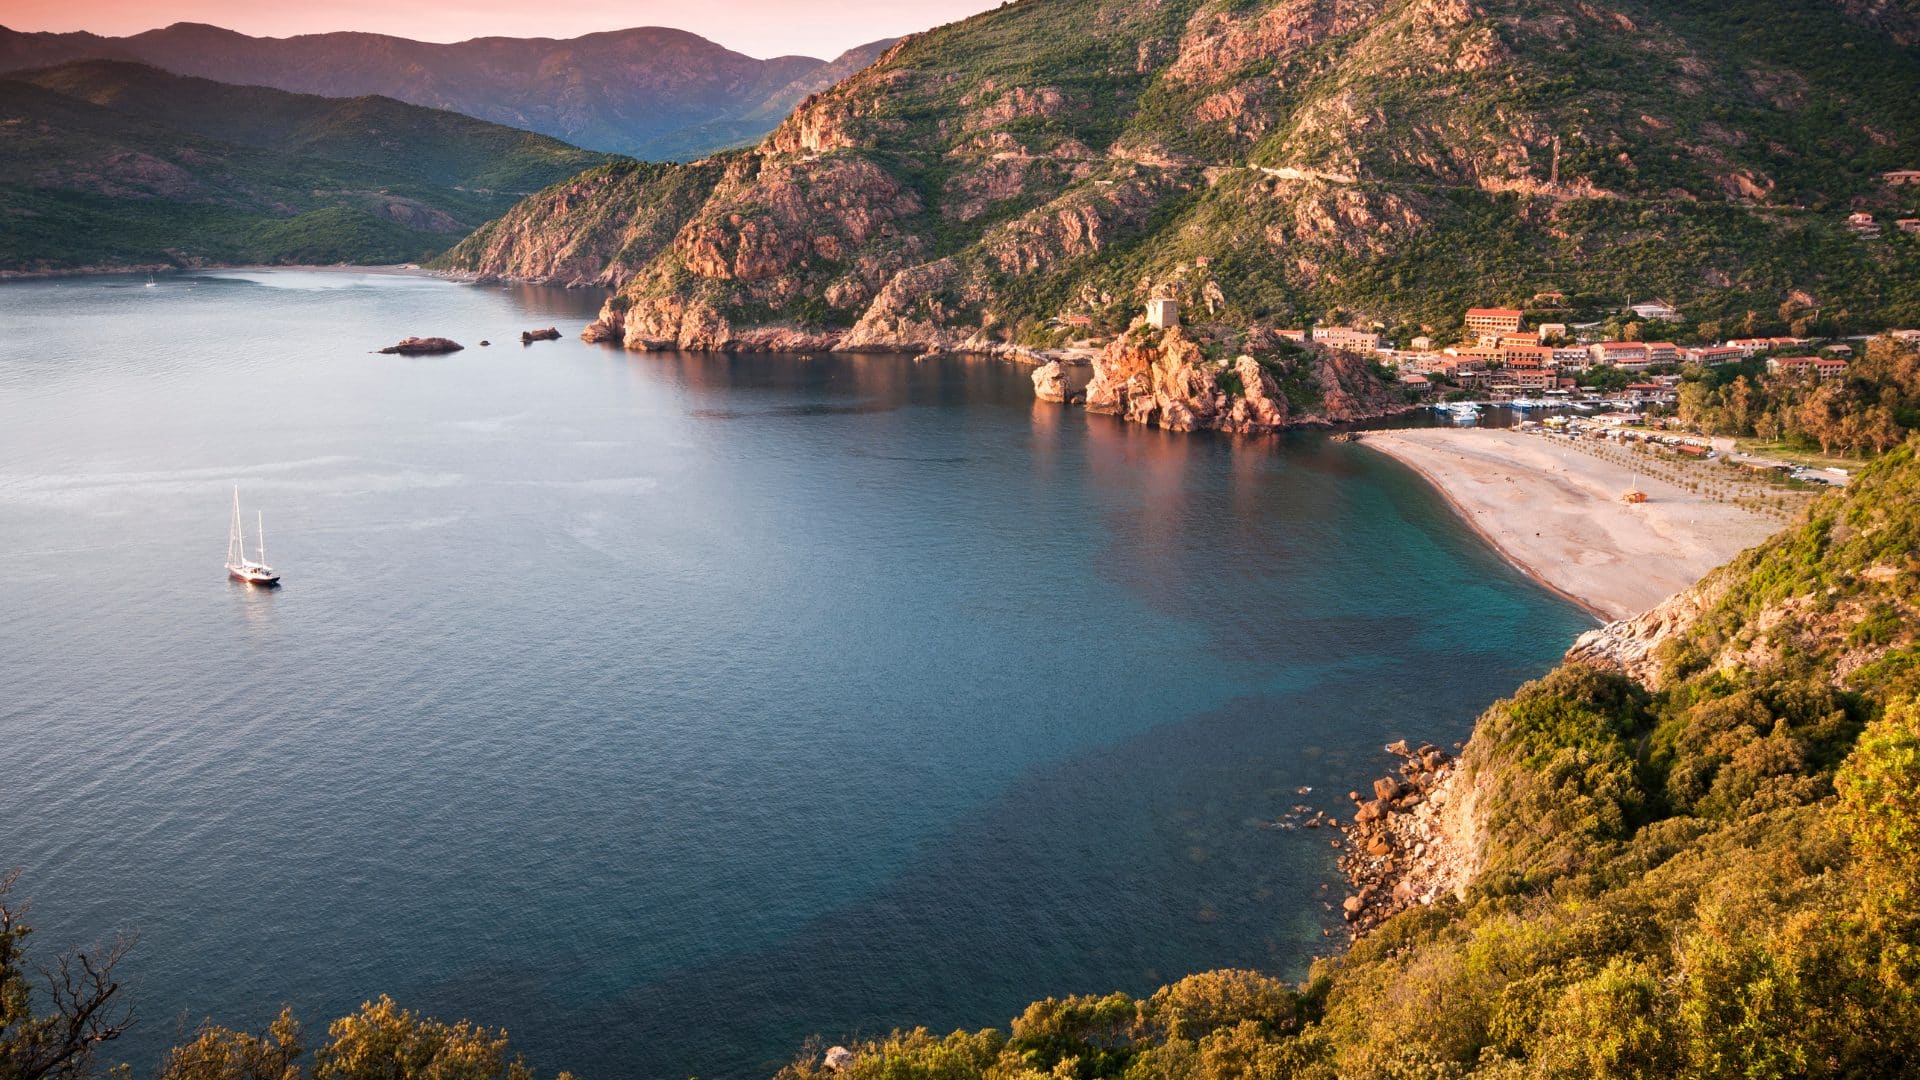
(1711, 872)
(1275, 161)
(111, 163)
(650, 91)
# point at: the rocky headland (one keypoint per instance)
(1168, 379)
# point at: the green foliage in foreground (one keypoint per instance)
(61, 1036)
(380, 1042)
(1711, 878)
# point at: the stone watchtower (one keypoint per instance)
(1163, 313)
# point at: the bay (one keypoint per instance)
(668, 709)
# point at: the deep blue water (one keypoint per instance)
(666, 710)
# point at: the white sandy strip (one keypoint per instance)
(1557, 513)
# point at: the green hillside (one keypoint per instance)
(1387, 161)
(112, 163)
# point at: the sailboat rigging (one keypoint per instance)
(239, 567)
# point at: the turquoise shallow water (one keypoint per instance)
(667, 709)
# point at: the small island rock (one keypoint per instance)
(419, 346)
(528, 337)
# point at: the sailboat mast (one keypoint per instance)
(262, 523)
(236, 538)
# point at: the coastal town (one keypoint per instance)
(1503, 359)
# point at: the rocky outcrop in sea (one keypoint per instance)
(423, 346)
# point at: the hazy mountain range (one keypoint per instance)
(649, 92)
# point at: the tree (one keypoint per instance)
(219, 1054)
(385, 1042)
(87, 1009)
(1695, 406)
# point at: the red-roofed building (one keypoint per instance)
(1823, 368)
(1663, 352)
(1528, 378)
(1494, 320)
(1714, 356)
(1346, 337)
(1533, 356)
(1626, 355)
(1753, 345)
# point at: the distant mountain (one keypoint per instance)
(650, 92)
(108, 163)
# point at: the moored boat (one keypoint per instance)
(239, 567)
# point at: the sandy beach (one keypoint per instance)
(1557, 513)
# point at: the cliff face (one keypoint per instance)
(1268, 162)
(1164, 379)
(599, 228)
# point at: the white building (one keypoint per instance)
(1163, 313)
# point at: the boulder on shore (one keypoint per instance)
(528, 337)
(423, 346)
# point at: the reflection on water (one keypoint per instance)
(666, 742)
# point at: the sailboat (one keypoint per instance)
(150, 282)
(239, 567)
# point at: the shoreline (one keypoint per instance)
(1466, 516)
(1556, 514)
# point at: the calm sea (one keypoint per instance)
(666, 710)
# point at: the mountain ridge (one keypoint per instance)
(1384, 161)
(647, 92)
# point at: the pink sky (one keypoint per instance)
(756, 27)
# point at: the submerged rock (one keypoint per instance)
(423, 346)
(528, 337)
